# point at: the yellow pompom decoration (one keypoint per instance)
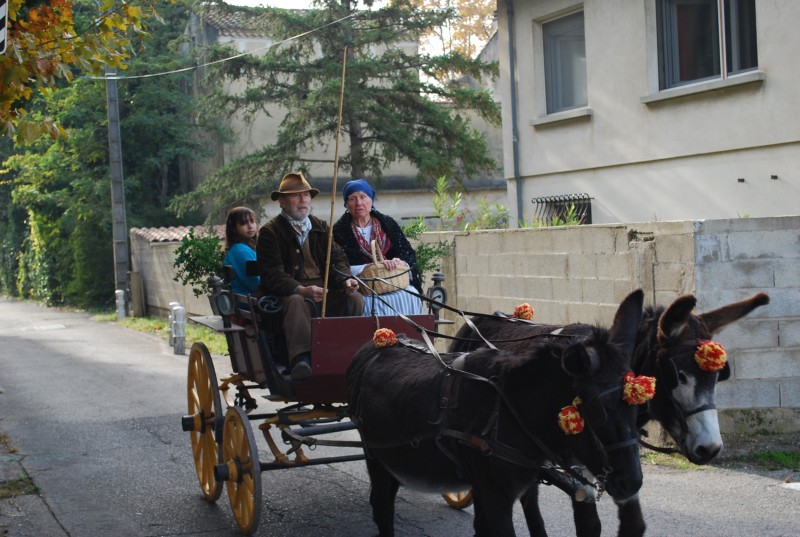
(638, 390)
(710, 355)
(384, 338)
(570, 419)
(524, 311)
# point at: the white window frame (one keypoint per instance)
(656, 94)
(555, 33)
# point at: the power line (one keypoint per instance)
(222, 60)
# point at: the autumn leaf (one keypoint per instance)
(43, 48)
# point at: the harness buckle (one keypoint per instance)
(481, 445)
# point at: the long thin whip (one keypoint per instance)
(333, 188)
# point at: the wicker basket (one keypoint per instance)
(395, 279)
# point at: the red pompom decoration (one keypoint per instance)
(638, 390)
(524, 311)
(384, 338)
(710, 355)
(570, 419)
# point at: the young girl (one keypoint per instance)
(240, 243)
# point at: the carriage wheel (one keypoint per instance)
(204, 409)
(458, 500)
(240, 456)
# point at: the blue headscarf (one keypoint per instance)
(357, 185)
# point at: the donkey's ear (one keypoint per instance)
(627, 320)
(725, 372)
(579, 360)
(674, 320)
(719, 318)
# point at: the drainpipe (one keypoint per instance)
(512, 71)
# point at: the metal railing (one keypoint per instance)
(566, 209)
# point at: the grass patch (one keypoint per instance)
(20, 486)
(215, 342)
(154, 325)
(14, 487)
(5, 441)
(777, 460)
(671, 460)
(105, 317)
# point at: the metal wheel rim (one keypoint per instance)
(458, 500)
(204, 398)
(239, 448)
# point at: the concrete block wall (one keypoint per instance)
(737, 259)
(567, 274)
(580, 274)
(570, 274)
(671, 259)
(153, 261)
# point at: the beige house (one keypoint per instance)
(399, 194)
(654, 109)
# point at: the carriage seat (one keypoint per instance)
(263, 319)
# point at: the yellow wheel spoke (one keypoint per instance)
(244, 492)
(203, 399)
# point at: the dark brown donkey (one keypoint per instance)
(490, 419)
(684, 402)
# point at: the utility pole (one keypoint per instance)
(3, 25)
(118, 219)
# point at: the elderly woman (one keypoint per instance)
(354, 232)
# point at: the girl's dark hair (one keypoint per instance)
(238, 215)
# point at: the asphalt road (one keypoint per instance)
(93, 410)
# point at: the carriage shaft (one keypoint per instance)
(268, 466)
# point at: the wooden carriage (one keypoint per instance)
(220, 411)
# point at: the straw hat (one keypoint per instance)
(292, 183)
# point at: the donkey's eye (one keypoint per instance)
(682, 378)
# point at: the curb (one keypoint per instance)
(24, 515)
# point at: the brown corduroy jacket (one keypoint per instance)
(280, 258)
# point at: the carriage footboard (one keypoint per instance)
(215, 323)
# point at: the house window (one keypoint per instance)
(691, 46)
(565, 63)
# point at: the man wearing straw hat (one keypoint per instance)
(291, 254)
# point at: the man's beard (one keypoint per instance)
(297, 215)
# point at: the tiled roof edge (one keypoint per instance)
(173, 234)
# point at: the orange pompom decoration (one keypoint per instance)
(638, 390)
(710, 355)
(524, 312)
(384, 338)
(569, 419)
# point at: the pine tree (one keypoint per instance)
(397, 105)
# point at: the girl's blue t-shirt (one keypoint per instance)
(237, 257)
